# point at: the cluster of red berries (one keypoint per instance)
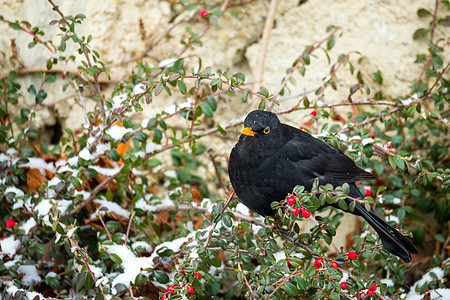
(296, 210)
(370, 292)
(190, 288)
(319, 262)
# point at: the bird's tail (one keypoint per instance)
(392, 240)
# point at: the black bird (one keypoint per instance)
(271, 158)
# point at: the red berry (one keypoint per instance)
(343, 285)
(163, 296)
(198, 275)
(170, 289)
(318, 261)
(313, 113)
(368, 193)
(362, 295)
(334, 265)
(296, 210)
(9, 172)
(203, 13)
(287, 261)
(316, 267)
(10, 224)
(306, 214)
(63, 76)
(79, 190)
(290, 201)
(352, 255)
(370, 293)
(373, 287)
(3, 238)
(190, 289)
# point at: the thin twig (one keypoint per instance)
(246, 282)
(89, 269)
(129, 226)
(299, 63)
(265, 44)
(91, 197)
(231, 195)
(104, 225)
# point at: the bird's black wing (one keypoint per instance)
(310, 157)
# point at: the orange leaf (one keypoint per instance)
(34, 180)
(122, 149)
(198, 224)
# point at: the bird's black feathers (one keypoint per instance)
(271, 158)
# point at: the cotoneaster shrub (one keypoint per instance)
(122, 208)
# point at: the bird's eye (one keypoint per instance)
(266, 130)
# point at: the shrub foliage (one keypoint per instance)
(123, 207)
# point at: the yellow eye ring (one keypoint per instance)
(266, 130)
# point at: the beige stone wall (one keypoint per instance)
(381, 31)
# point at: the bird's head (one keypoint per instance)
(263, 128)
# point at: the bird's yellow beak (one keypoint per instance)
(248, 131)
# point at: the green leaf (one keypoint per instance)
(109, 195)
(158, 88)
(421, 12)
(49, 64)
(262, 104)
(40, 97)
(212, 102)
(60, 186)
(32, 90)
(115, 156)
(75, 182)
(342, 204)
(399, 162)
(291, 289)
(89, 281)
(206, 108)
(330, 43)
(378, 78)
(92, 173)
(113, 225)
(182, 87)
(161, 277)
(15, 25)
(420, 33)
(217, 12)
(127, 123)
(301, 282)
(115, 258)
(140, 136)
(263, 92)
(79, 279)
(392, 162)
(440, 238)
(245, 96)
(410, 112)
(221, 130)
(368, 150)
(227, 220)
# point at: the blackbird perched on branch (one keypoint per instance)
(271, 158)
